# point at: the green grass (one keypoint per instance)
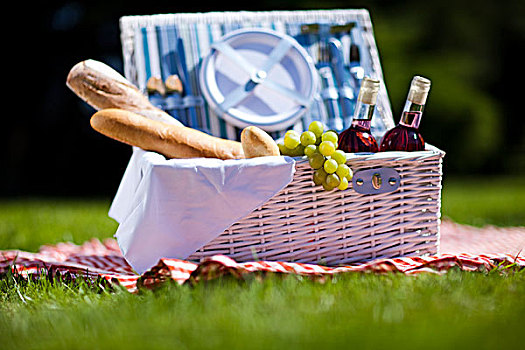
(363, 311)
(485, 201)
(26, 224)
(459, 309)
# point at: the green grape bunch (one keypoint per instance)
(320, 147)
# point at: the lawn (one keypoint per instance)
(457, 310)
(364, 311)
(485, 200)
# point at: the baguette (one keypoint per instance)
(102, 87)
(170, 140)
(257, 143)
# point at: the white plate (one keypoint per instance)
(258, 77)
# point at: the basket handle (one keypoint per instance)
(375, 181)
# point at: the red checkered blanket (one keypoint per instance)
(95, 259)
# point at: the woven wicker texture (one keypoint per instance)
(465, 247)
(304, 223)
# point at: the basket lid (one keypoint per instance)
(257, 76)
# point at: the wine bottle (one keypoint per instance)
(358, 138)
(405, 136)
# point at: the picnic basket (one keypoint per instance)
(392, 207)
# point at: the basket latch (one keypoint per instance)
(374, 181)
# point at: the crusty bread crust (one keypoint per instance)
(102, 87)
(257, 143)
(173, 141)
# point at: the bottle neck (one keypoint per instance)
(412, 113)
(363, 111)
(363, 116)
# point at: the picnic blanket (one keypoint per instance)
(463, 247)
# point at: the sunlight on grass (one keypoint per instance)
(26, 224)
(363, 311)
(367, 311)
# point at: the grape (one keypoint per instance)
(344, 184)
(309, 150)
(332, 180)
(339, 156)
(291, 140)
(307, 138)
(294, 152)
(317, 128)
(342, 170)
(316, 160)
(350, 175)
(326, 148)
(326, 187)
(297, 151)
(330, 136)
(283, 149)
(319, 176)
(329, 163)
(330, 166)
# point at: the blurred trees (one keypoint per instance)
(470, 50)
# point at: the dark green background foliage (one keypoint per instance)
(468, 48)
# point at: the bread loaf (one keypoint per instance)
(102, 87)
(172, 141)
(257, 143)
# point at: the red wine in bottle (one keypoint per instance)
(405, 136)
(358, 138)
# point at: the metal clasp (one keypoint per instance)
(374, 181)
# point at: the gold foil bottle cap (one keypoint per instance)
(419, 89)
(368, 91)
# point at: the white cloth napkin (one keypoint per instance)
(171, 208)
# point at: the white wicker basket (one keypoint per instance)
(304, 223)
